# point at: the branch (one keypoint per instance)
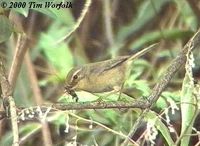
(20, 51)
(173, 68)
(7, 96)
(165, 79)
(80, 19)
(85, 105)
(101, 105)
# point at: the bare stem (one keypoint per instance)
(20, 51)
(38, 98)
(10, 104)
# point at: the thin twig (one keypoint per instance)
(33, 79)
(14, 122)
(105, 127)
(20, 51)
(38, 97)
(34, 82)
(29, 135)
(12, 77)
(108, 22)
(10, 104)
(135, 126)
(80, 19)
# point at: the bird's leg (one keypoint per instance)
(100, 99)
(107, 94)
(120, 91)
(116, 89)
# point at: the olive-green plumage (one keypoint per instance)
(101, 76)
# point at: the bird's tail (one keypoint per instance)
(142, 52)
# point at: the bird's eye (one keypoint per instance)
(75, 77)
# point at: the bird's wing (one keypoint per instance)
(110, 64)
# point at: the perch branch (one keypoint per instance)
(88, 105)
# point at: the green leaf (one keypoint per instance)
(153, 117)
(6, 28)
(63, 15)
(86, 96)
(188, 102)
(58, 55)
(167, 96)
(157, 35)
(143, 86)
(146, 13)
(187, 14)
(23, 11)
(23, 131)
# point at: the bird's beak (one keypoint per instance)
(69, 90)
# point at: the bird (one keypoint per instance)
(102, 76)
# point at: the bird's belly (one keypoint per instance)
(104, 81)
(99, 85)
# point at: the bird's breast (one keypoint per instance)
(104, 81)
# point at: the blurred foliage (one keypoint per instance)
(6, 28)
(135, 24)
